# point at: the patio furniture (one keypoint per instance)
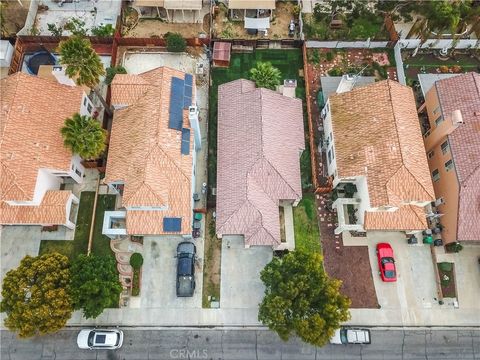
(196, 225)
(196, 233)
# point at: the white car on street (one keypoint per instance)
(351, 336)
(98, 339)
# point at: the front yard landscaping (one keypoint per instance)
(100, 242)
(211, 263)
(288, 61)
(79, 244)
(446, 272)
(307, 235)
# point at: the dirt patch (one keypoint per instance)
(211, 262)
(13, 16)
(156, 28)
(281, 211)
(447, 279)
(227, 29)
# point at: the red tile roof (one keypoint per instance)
(260, 139)
(144, 153)
(463, 93)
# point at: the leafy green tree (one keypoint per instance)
(35, 295)
(95, 284)
(82, 62)
(301, 299)
(265, 75)
(175, 42)
(84, 136)
(136, 261)
(112, 71)
(103, 30)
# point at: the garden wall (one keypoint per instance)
(399, 61)
(30, 20)
(347, 44)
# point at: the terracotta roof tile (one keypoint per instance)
(144, 152)
(406, 218)
(463, 93)
(51, 211)
(377, 134)
(33, 110)
(260, 138)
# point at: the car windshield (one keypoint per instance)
(390, 274)
(90, 338)
(386, 260)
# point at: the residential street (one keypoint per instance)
(249, 344)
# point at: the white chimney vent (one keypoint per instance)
(457, 117)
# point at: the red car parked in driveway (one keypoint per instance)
(386, 262)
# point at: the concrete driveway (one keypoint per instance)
(415, 286)
(16, 242)
(159, 270)
(241, 286)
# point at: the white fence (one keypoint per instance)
(345, 44)
(439, 43)
(398, 60)
(30, 21)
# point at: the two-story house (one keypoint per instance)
(34, 161)
(376, 157)
(152, 153)
(452, 144)
(260, 141)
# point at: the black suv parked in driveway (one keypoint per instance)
(186, 269)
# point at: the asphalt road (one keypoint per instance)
(248, 345)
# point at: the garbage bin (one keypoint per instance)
(438, 242)
(427, 240)
(412, 240)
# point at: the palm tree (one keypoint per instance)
(84, 136)
(83, 64)
(265, 75)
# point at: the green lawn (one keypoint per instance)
(288, 61)
(79, 244)
(101, 243)
(305, 223)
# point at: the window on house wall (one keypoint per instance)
(78, 172)
(85, 101)
(439, 120)
(329, 155)
(436, 110)
(431, 154)
(89, 108)
(445, 147)
(435, 175)
(449, 165)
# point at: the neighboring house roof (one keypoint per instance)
(463, 93)
(52, 210)
(406, 218)
(250, 4)
(260, 139)
(377, 135)
(427, 81)
(33, 110)
(144, 153)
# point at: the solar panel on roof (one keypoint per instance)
(188, 79)
(177, 101)
(185, 147)
(172, 224)
(187, 100)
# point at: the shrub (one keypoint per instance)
(445, 266)
(175, 42)
(454, 247)
(445, 280)
(136, 261)
(103, 30)
(329, 56)
(112, 71)
(336, 71)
